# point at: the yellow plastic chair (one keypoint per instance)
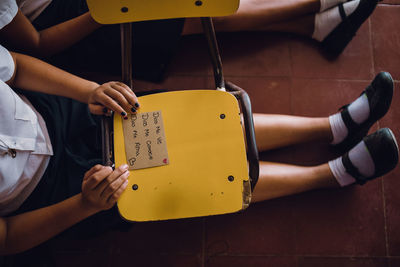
(210, 171)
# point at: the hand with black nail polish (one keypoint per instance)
(113, 96)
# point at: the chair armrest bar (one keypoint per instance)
(209, 32)
(126, 61)
(106, 126)
(252, 151)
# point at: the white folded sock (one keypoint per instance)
(361, 160)
(328, 20)
(339, 129)
(359, 111)
(325, 4)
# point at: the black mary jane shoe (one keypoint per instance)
(384, 151)
(380, 94)
(334, 44)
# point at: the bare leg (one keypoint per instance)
(274, 131)
(259, 15)
(278, 180)
(302, 26)
(255, 13)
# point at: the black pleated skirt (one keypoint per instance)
(154, 43)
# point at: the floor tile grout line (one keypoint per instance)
(229, 76)
(292, 113)
(293, 206)
(203, 245)
(385, 218)
(388, 4)
(291, 77)
(371, 36)
(295, 236)
(384, 209)
(290, 57)
(231, 254)
(371, 45)
(307, 256)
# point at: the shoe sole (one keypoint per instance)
(394, 140)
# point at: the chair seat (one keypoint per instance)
(207, 172)
(111, 12)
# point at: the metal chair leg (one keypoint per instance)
(126, 53)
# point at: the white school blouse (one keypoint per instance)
(33, 8)
(8, 10)
(25, 146)
(30, 8)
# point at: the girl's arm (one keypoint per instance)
(48, 41)
(35, 75)
(24, 231)
(101, 188)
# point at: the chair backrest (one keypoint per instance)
(123, 11)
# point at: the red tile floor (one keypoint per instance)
(354, 226)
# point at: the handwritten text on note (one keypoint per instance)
(145, 142)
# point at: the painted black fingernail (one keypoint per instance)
(123, 113)
(137, 105)
(105, 110)
(133, 110)
(126, 117)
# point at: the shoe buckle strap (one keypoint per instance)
(352, 170)
(348, 121)
(342, 12)
(343, 107)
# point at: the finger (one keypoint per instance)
(126, 87)
(92, 170)
(94, 180)
(115, 185)
(117, 172)
(114, 197)
(112, 177)
(121, 96)
(109, 103)
(129, 95)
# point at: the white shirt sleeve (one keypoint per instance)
(6, 64)
(8, 10)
